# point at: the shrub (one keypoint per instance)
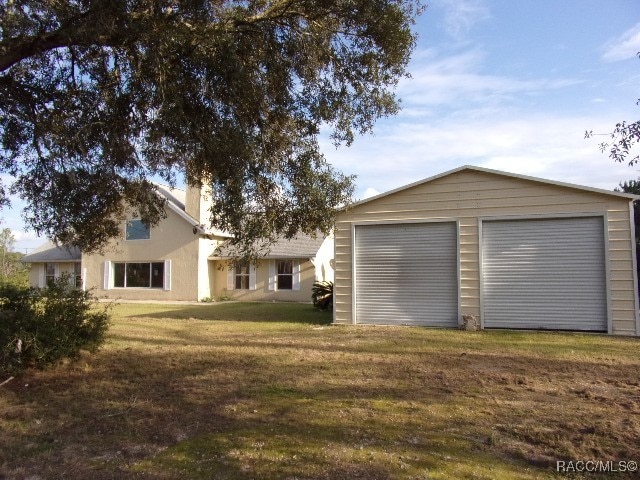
(41, 326)
(322, 295)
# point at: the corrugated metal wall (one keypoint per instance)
(469, 195)
(544, 274)
(407, 274)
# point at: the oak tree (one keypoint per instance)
(98, 98)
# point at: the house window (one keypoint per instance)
(137, 230)
(77, 274)
(241, 276)
(285, 275)
(49, 273)
(138, 275)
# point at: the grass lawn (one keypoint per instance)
(271, 391)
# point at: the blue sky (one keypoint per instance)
(504, 84)
(511, 85)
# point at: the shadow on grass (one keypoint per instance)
(168, 416)
(235, 311)
(239, 408)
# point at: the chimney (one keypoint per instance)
(198, 202)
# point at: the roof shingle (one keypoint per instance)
(50, 252)
(302, 246)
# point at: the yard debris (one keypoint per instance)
(132, 402)
(7, 381)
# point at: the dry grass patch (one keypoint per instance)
(239, 391)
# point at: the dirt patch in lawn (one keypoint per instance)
(236, 399)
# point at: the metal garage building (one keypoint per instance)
(516, 251)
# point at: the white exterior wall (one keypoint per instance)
(206, 248)
(323, 261)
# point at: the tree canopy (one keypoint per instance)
(623, 142)
(99, 97)
(11, 270)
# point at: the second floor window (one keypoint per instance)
(137, 230)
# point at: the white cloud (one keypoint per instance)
(22, 236)
(462, 15)
(369, 192)
(543, 145)
(624, 47)
(458, 80)
(454, 114)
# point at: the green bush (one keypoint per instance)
(322, 295)
(38, 327)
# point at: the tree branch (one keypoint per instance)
(17, 49)
(79, 30)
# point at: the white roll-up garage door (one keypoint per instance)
(406, 274)
(544, 274)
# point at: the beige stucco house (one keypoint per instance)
(510, 250)
(181, 259)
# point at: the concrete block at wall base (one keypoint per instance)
(470, 323)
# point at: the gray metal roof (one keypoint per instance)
(50, 252)
(302, 246)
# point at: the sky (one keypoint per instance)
(511, 85)
(505, 84)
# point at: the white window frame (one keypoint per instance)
(77, 275)
(56, 273)
(231, 277)
(295, 275)
(283, 275)
(241, 272)
(109, 275)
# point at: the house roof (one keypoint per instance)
(302, 246)
(176, 200)
(175, 195)
(50, 252)
(501, 173)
